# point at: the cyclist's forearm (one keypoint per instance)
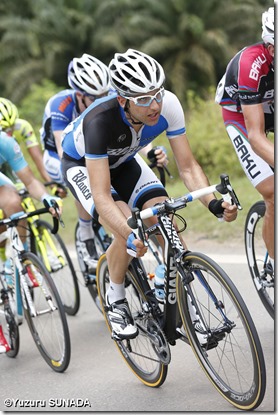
(37, 157)
(58, 141)
(111, 215)
(194, 178)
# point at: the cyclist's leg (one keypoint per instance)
(266, 189)
(256, 169)
(10, 202)
(135, 184)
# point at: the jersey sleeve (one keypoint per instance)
(248, 78)
(173, 113)
(11, 152)
(61, 112)
(24, 133)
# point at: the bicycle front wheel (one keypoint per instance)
(45, 314)
(261, 272)
(230, 352)
(90, 280)
(60, 266)
(139, 353)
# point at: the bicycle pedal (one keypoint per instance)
(106, 308)
(90, 279)
(114, 336)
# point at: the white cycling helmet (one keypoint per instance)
(134, 72)
(88, 75)
(268, 26)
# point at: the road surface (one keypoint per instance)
(99, 380)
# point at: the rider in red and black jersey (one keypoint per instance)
(246, 94)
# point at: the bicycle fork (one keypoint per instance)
(43, 241)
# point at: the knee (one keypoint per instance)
(12, 204)
(266, 189)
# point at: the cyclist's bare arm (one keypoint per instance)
(36, 154)
(34, 186)
(108, 210)
(58, 140)
(193, 175)
(255, 125)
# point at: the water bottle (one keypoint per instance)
(159, 282)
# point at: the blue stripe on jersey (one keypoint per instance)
(96, 156)
(175, 133)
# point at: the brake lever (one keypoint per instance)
(225, 189)
(59, 218)
(135, 222)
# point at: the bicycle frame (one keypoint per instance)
(29, 206)
(19, 280)
(174, 252)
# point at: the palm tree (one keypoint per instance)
(192, 39)
(40, 42)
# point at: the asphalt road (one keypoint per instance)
(99, 380)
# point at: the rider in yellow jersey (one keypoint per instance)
(23, 132)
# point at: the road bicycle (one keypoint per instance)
(34, 291)
(51, 249)
(202, 307)
(260, 268)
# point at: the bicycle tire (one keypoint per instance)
(48, 327)
(256, 254)
(233, 361)
(63, 274)
(138, 353)
(13, 333)
(90, 282)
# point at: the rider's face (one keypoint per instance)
(147, 115)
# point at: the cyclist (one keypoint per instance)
(246, 94)
(23, 132)
(10, 201)
(100, 150)
(89, 79)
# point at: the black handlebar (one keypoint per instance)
(14, 219)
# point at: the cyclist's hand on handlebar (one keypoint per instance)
(223, 210)
(158, 155)
(135, 247)
(54, 204)
(59, 191)
(230, 212)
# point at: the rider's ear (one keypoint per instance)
(121, 101)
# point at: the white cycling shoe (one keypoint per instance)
(121, 320)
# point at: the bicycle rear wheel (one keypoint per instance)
(9, 323)
(257, 257)
(60, 267)
(232, 355)
(48, 323)
(139, 353)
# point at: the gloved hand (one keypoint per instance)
(53, 203)
(134, 246)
